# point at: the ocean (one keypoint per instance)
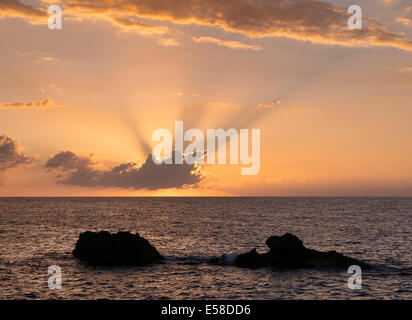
(36, 233)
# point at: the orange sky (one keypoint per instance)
(340, 124)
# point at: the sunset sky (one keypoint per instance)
(78, 106)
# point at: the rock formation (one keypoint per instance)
(288, 251)
(122, 248)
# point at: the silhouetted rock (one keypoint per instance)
(288, 251)
(122, 248)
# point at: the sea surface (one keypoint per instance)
(36, 233)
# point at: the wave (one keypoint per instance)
(228, 258)
(224, 259)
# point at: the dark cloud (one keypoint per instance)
(82, 171)
(307, 20)
(10, 154)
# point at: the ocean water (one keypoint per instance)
(38, 232)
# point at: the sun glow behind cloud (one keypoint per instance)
(333, 106)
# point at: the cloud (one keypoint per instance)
(403, 20)
(48, 102)
(82, 171)
(48, 59)
(168, 42)
(57, 88)
(228, 44)
(10, 154)
(269, 104)
(124, 23)
(304, 20)
(17, 9)
(68, 160)
(133, 25)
